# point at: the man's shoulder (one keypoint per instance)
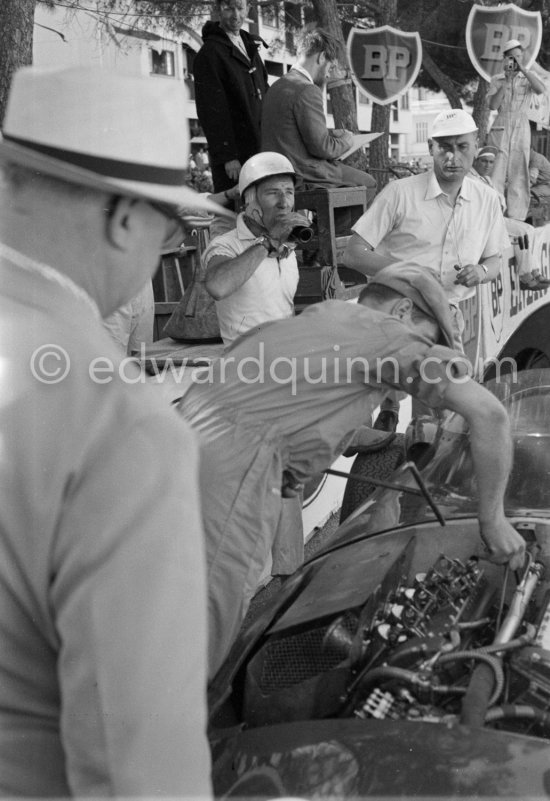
(405, 187)
(223, 239)
(293, 80)
(477, 188)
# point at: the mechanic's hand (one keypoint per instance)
(503, 543)
(470, 274)
(284, 223)
(232, 169)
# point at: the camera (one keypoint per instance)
(301, 234)
(511, 64)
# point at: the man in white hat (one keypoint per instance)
(442, 219)
(102, 586)
(510, 93)
(251, 271)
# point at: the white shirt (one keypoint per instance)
(412, 220)
(267, 295)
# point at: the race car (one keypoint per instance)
(400, 662)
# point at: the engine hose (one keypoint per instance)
(473, 624)
(491, 661)
(518, 712)
(519, 642)
(407, 677)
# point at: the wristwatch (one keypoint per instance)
(266, 242)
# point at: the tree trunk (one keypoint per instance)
(380, 121)
(481, 109)
(443, 81)
(378, 150)
(16, 32)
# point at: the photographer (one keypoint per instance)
(510, 93)
(251, 271)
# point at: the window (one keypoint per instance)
(270, 15)
(421, 131)
(363, 99)
(395, 112)
(405, 101)
(188, 61)
(162, 63)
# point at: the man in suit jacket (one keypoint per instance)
(294, 122)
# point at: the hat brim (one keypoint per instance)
(176, 196)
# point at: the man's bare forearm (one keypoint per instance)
(360, 256)
(491, 449)
(225, 275)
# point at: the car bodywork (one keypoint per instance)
(399, 662)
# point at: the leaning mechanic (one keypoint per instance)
(252, 270)
(283, 403)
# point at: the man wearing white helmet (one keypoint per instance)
(251, 271)
(102, 585)
(442, 220)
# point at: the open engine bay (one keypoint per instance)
(456, 643)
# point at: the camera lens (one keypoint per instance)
(301, 233)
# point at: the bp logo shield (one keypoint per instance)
(488, 30)
(384, 62)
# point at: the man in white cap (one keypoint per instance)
(510, 93)
(443, 220)
(283, 403)
(102, 586)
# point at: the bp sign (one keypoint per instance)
(488, 30)
(384, 62)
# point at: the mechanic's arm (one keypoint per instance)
(224, 275)
(360, 256)
(491, 449)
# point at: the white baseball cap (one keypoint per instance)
(453, 122)
(511, 44)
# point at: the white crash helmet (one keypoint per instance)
(264, 165)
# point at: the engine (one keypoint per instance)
(446, 646)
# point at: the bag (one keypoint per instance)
(195, 318)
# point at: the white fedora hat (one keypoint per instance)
(122, 133)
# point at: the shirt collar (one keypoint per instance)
(243, 231)
(302, 71)
(434, 190)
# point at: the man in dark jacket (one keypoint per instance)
(230, 83)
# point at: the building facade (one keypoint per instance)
(114, 40)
